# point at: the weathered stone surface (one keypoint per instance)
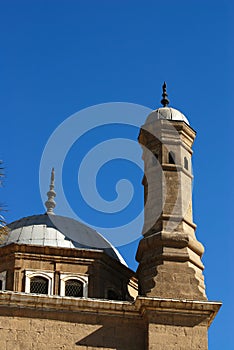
(148, 323)
(169, 255)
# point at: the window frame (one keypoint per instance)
(64, 277)
(48, 275)
(186, 163)
(3, 279)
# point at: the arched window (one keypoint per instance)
(73, 288)
(39, 285)
(73, 285)
(171, 157)
(185, 163)
(39, 282)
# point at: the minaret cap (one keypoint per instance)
(164, 100)
(50, 203)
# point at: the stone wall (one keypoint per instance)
(52, 323)
(89, 332)
(36, 322)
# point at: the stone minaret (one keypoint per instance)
(169, 254)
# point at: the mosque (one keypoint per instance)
(57, 293)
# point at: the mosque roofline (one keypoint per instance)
(63, 253)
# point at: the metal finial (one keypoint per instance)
(164, 100)
(50, 203)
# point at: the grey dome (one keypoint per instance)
(167, 113)
(58, 231)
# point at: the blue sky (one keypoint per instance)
(58, 57)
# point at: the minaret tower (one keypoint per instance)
(51, 194)
(169, 254)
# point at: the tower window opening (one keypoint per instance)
(155, 159)
(186, 163)
(39, 285)
(171, 157)
(0, 284)
(73, 288)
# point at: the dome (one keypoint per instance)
(168, 113)
(58, 231)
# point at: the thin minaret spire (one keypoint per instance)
(164, 100)
(50, 203)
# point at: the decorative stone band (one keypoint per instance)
(177, 306)
(174, 239)
(140, 307)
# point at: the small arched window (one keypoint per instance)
(171, 157)
(186, 163)
(39, 285)
(73, 288)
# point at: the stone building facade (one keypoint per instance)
(60, 294)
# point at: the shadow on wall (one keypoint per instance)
(116, 338)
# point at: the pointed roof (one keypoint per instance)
(50, 203)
